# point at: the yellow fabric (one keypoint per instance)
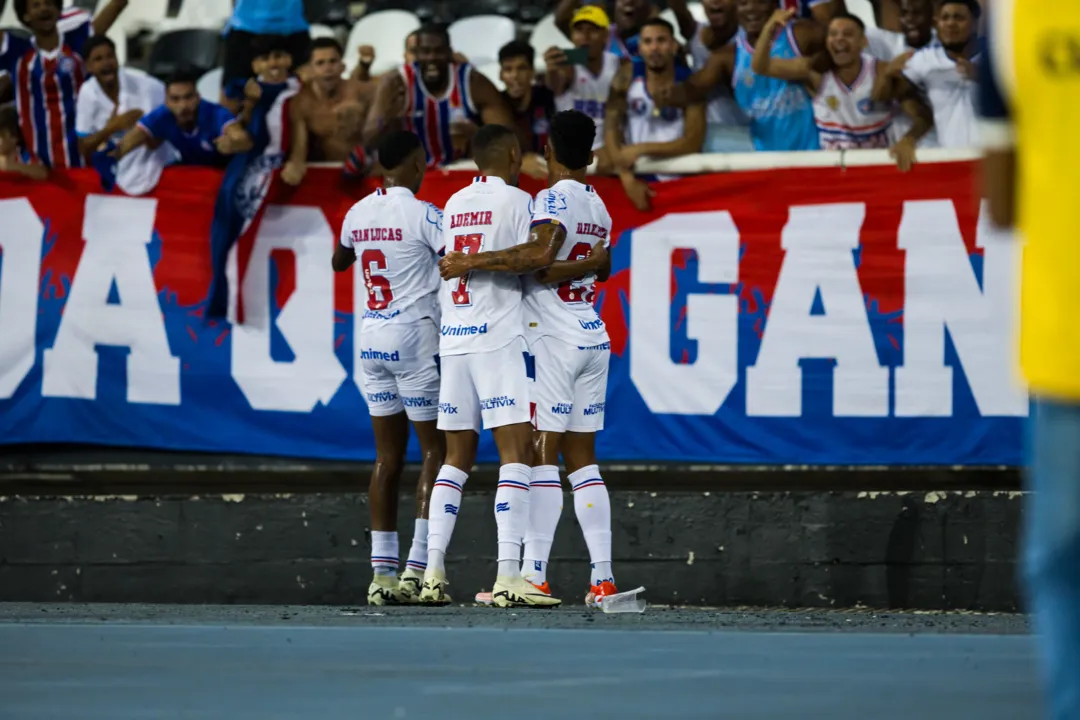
(1044, 102)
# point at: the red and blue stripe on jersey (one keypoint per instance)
(430, 118)
(46, 87)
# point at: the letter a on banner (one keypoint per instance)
(20, 271)
(819, 240)
(712, 320)
(116, 231)
(306, 320)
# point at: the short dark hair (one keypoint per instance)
(435, 29)
(517, 49)
(397, 147)
(9, 122)
(971, 5)
(572, 137)
(95, 42)
(848, 16)
(182, 77)
(324, 43)
(659, 22)
(263, 45)
(488, 140)
(20, 9)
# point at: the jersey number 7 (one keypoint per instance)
(470, 245)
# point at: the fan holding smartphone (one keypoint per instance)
(581, 76)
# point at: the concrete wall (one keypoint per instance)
(931, 550)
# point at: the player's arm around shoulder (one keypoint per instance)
(344, 253)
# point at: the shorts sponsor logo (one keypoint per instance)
(459, 330)
(448, 409)
(596, 324)
(376, 315)
(601, 346)
(595, 408)
(450, 509)
(537, 565)
(417, 402)
(497, 402)
(381, 397)
(502, 507)
(562, 408)
(370, 354)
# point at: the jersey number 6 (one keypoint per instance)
(379, 294)
(470, 245)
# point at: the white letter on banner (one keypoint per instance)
(20, 273)
(306, 321)
(116, 231)
(712, 320)
(818, 240)
(942, 293)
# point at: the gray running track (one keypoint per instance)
(274, 663)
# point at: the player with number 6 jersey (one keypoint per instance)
(397, 239)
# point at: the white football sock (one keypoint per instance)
(418, 551)
(593, 508)
(512, 514)
(384, 552)
(445, 503)
(545, 509)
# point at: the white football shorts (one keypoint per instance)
(571, 386)
(485, 390)
(399, 368)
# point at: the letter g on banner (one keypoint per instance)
(702, 387)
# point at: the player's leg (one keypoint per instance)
(591, 502)
(459, 417)
(418, 384)
(553, 401)
(502, 379)
(391, 430)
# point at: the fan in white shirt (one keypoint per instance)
(944, 72)
(396, 239)
(110, 103)
(916, 31)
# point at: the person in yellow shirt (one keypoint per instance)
(1030, 103)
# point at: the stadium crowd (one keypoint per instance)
(764, 75)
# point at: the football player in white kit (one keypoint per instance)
(485, 361)
(397, 239)
(571, 347)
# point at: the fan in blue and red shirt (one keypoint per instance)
(46, 72)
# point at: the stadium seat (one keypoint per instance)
(864, 10)
(197, 15)
(141, 15)
(17, 31)
(546, 35)
(196, 50)
(87, 5)
(481, 37)
(327, 12)
(8, 18)
(210, 84)
(321, 31)
(425, 10)
(532, 12)
(698, 11)
(471, 8)
(386, 32)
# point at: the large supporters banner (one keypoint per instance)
(814, 316)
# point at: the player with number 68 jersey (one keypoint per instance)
(396, 239)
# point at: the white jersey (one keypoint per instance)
(951, 95)
(481, 311)
(396, 239)
(846, 117)
(588, 93)
(565, 311)
(722, 108)
(645, 121)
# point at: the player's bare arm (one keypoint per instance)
(563, 270)
(922, 121)
(696, 88)
(539, 252)
(108, 15)
(558, 72)
(234, 139)
(116, 124)
(136, 137)
(688, 24)
(793, 70)
(890, 84)
(388, 113)
(692, 139)
(493, 109)
(564, 14)
(809, 36)
(296, 166)
(826, 11)
(343, 258)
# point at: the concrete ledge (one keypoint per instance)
(924, 550)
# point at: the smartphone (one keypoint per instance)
(577, 56)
